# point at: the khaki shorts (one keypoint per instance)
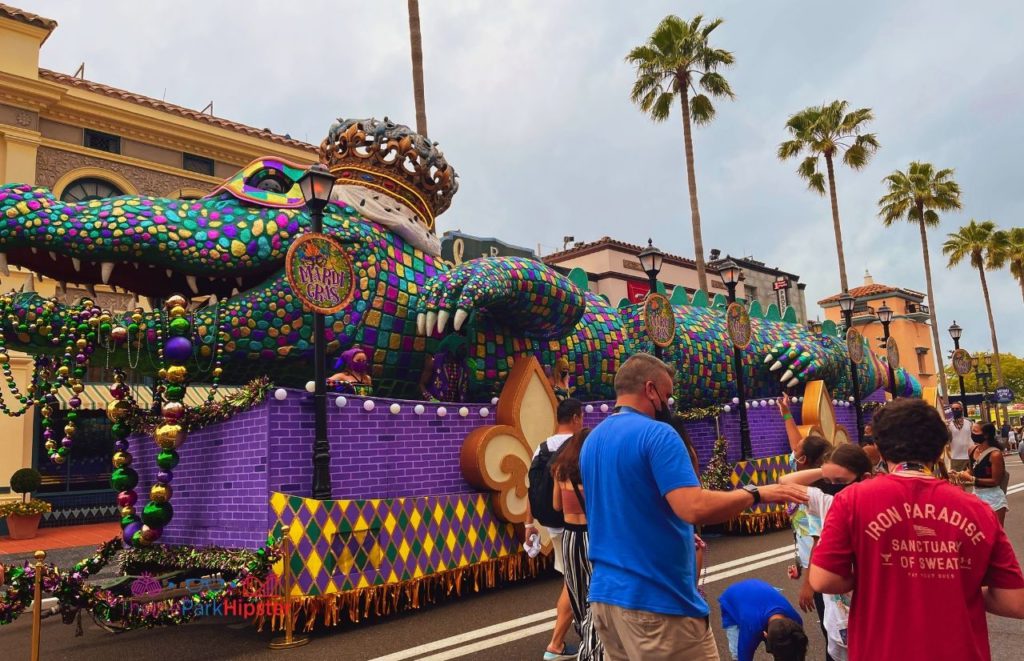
(634, 635)
(556, 542)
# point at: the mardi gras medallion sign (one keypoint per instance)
(659, 321)
(737, 323)
(892, 353)
(320, 273)
(962, 362)
(855, 345)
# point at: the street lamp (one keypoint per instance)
(651, 260)
(316, 185)
(885, 316)
(846, 304)
(983, 375)
(955, 332)
(730, 273)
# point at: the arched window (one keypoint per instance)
(89, 188)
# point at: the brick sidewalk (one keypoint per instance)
(62, 537)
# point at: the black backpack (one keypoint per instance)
(542, 489)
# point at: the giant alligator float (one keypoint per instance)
(391, 184)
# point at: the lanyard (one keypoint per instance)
(912, 466)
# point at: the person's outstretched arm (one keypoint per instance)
(702, 506)
(805, 478)
(792, 433)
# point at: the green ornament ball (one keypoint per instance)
(174, 393)
(157, 515)
(124, 478)
(105, 328)
(120, 430)
(180, 326)
(167, 459)
(128, 520)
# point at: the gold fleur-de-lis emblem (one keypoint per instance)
(819, 415)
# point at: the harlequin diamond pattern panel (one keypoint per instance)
(767, 470)
(340, 545)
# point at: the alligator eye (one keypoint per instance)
(270, 180)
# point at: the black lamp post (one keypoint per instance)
(955, 332)
(846, 304)
(651, 260)
(983, 376)
(730, 273)
(885, 316)
(316, 185)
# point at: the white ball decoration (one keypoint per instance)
(671, 401)
(589, 408)
(604, 408)
(280, 394)
(834, 402)
(463, 411)
(484, 412)
(735, 400)
(395, 408)
(754, 404)
(441, 411)
(726, 408)
(418, 409)
(494, 401)
(764, 403)
(310, 386)
(771, 402)
(341, 402)
(747, 404)
(368, 405)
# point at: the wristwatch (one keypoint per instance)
(752, 490)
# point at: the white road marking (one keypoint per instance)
(714, 574)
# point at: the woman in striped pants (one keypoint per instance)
(569, 499)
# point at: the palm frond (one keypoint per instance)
(715, 84)
(701, 109)
(790, 148)
(662, 108)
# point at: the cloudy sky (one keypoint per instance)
(530, 101)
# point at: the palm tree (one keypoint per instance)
(1009, 250)
(826, 131)
(915, 196)
(675, 61)
(979, 242)
(416, 42)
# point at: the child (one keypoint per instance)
(754, 611)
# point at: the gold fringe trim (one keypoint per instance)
(379, 600)
(756, 523)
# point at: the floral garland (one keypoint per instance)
(140, 421)
(73, 593)
(695, 414)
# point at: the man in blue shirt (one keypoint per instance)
(643, 499)
(754, 611)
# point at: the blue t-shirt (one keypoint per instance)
(748, 605)
(642, 553)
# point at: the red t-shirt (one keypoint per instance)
(919, 550)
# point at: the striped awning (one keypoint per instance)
(97, 395)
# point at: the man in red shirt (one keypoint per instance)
(925, 560)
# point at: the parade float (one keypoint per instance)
(446, 382)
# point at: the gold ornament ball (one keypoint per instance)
(77, 388)
(118, 410)
(95, 321)
(51, 445)
(127, 510)
(143, 541)
(58, 459)
(176, 311)
(63, 370)
(169, 437)
(136, 317)
(4, 359)
(162, 373)
(217, 371)
(176, 373)
(121, 459)
(173, 410)
(160, 493)
(104, 318)
(81, 343)
(177, 300)
(69, 430)
(149, 535)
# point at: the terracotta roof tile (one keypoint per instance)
(874, 289)
(23, 16)
(611, 243)
(173, 109)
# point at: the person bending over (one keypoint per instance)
(754, 612)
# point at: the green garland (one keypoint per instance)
(718, 473)
(695, 414)
(141, 421)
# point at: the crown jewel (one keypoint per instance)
(394, 160)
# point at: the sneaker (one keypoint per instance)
(568, 652)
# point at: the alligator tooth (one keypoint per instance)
(234, 291)
(793, 383)
(210, 278)
(53, 255)
(191, 280)
(442, 320)
(777, 365)
(421, 324)
(768, 359)
(213, 300)
(787, 376)
(77, 263)
(3, 264)
(238, 280)
(34, 250)
(30, 284)
(460, 318)
(431, 322)
(169, 273)
(106, 268)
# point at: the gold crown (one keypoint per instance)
(394, 160)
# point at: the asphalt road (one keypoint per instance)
(507, 624)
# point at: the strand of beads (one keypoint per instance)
(80, 343)
(170, 434)
(123, 478)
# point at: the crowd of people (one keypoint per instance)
(911, 511)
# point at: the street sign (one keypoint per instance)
(780, 283)
(1004, 395)
(892, 353)
(962, 362)
(320, 273)
(737, 323)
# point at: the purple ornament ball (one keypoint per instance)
(75, 402)
(121, 446)
(178, 349)
(164, 477)
(48, 434)
(66, 442)
(129, 531)
(127, 498)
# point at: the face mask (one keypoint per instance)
(957, 413)
(831, 488)
(662, 414)
(978, 438)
